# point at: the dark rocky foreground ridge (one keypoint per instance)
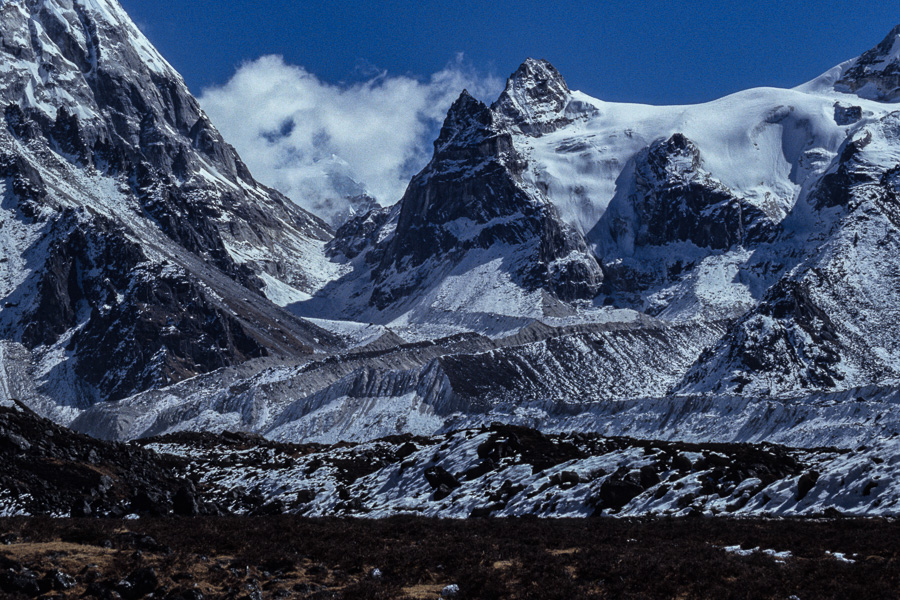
(178, 549)
(499, 471)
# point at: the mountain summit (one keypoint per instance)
(537, 100)
(138, 247)
(876, 74)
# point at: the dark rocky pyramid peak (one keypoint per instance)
(468, 108)
(535, 74)
(536, 99)
(887, 44)
(475, 178)
(467, 119)
(464, 98)
(675, 200)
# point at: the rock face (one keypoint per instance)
(109, 102)
(831, 321)
(470, 200)
(174, 328)
(847, 115)
(134, 236)
(876, 74)
(537, 100)
(670, 215)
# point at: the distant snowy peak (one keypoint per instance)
(470, 238)
(332, 192)
(876, 74)
(537, 100)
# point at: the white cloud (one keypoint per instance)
(312, 140)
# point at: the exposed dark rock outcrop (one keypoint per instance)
(876, 74)
(58, 471)
(675, 200)
(847, 115)
(470, 198)
(359, 233)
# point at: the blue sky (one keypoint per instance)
(325, 98)
(646, 51)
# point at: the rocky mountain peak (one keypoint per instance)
(539, 77)
(87, 64)
(671, 201)
(145, 234)
(876, 74)
(468, 120)
(469, 201)
(535, 98)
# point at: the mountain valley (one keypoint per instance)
(718, 281)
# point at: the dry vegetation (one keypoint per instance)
(288, 557)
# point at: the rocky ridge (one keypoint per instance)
(875, 74)
(127, 217)
(497, 471)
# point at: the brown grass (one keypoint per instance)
(516, 559)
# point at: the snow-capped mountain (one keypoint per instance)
(874, 75)
(469, 237)
(137, 248)
(683, 207)
(720, 271)
(331, 191)
(831, 321)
